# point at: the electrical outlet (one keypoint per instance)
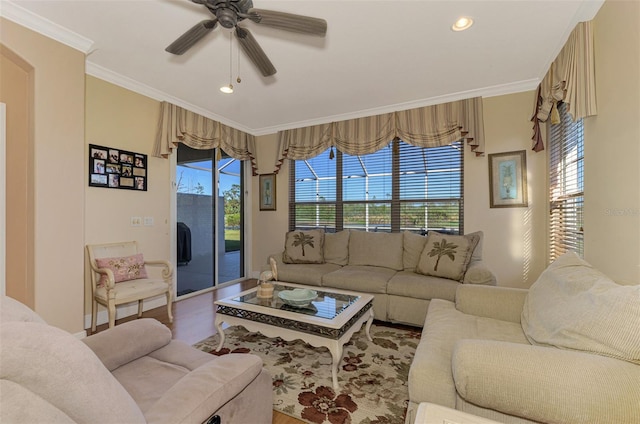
(136, 221)
(148, 221)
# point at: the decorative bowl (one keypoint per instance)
(298, 297)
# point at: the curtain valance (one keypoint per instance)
(429, 126)
(571, 78)
(178, 125)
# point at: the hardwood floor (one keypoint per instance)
(193, 321)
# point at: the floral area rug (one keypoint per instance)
(372, 375)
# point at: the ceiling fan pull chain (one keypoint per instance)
(238, 80)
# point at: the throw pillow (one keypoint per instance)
(447, 256)
(336, 247)
(574, 306)
(304, 247)
(124, 268)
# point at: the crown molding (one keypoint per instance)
(30, 20)
(145, 90)
(497, 90)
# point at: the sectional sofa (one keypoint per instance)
(394, 267)
(565, 351)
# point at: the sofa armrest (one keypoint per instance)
(503, 303)
(479, 273)
(197, 395)
(546, 384)
(129, 341)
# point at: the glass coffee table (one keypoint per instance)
(330, 320)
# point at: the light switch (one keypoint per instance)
(136, 221)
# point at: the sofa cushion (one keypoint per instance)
(304, 247)
(376, 249)
(574, 306)
(124, 268)
(447, 256)
(368, 279)
(336, 247)
(412, 245)
(410, 284)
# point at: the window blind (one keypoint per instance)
(566, 185)
(400, 187)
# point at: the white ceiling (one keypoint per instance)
(377, 56)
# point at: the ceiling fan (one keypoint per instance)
(229, 13)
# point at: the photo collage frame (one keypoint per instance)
(117, 168)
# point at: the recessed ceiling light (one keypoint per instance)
(462, 24)
(227, 89)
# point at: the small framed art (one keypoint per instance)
(117, 168)
(508, 179)
(268, 192)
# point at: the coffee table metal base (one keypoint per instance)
(335, 346)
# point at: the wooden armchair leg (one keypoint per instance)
(169, 304)
(140, 308)
(94, 315)
(112, 315)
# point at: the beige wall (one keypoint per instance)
(16, 91)
(269, 227)
(59, 173)
(122, 119)
(515, 241)
(612, 146)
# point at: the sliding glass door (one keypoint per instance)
(209, 219)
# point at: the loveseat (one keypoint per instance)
(396, 268)
(132, 373)
(565, 351)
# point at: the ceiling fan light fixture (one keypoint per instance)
(462, 23)
(227, 89)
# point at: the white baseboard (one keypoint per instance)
(125, 310)
(81, 335)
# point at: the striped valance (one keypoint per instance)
(571, 79)
(429, 126)
(178, 125)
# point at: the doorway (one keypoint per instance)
(210, 241)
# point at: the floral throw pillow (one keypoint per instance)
(304, 247)
(447, 256)
(124, 268)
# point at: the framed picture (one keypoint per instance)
(508, 179)
(116, 168)
(268, 192)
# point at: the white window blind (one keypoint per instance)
(566, 185)
(401, 187)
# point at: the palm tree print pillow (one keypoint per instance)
(447, 256)
(304, 247)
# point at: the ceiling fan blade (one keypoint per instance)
(289, 22)
(191, 37)
(255, 52)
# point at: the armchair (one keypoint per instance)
(118, 276)
(132, 373)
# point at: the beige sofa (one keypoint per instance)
(383, 264)
(132, 373)
(565, 351)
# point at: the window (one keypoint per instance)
(401, 187)
(566, 185)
